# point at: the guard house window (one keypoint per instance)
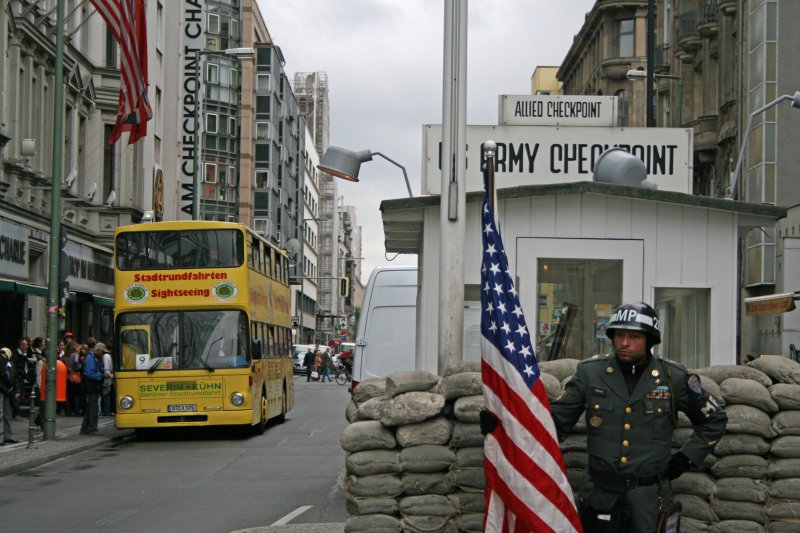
(575, 298)
(623, 105)
(626, 37)
(685, 320)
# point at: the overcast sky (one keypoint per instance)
(384, 65)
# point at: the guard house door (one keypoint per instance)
(568, 288)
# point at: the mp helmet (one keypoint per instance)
(635, 316)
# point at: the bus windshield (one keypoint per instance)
(167, 250)
(183, 340)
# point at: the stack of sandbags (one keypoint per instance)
(415, 453)
(783, 505)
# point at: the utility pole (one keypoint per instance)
(53, 293)
(651, 53)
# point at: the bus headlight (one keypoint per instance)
(237, 398)
(126, 402)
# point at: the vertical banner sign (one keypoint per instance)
(193, 39)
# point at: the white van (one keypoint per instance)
(386, 338)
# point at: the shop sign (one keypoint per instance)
(557, 110)
(89, 270)
(13, 250)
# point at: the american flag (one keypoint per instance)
(126, 20)
(526, 482)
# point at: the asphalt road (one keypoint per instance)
(214, 480)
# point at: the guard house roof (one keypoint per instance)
(403, 219)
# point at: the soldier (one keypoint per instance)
(631, 399)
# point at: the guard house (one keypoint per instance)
(579, 249)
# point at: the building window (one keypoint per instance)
(211, 123)
(263, 130)
(213, 23)
(685, 320)
(108, 161)
(263, 82)
(575, 300)
(263, 179)
(626, 37)
(211, 173)
(212, 73)
(623, 105)
(111, 49)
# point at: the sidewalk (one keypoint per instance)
(15, 458)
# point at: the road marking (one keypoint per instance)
(291, 516)
(116, 517)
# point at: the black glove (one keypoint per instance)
(489, 422)
(678, 464)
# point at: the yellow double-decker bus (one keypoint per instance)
(203, 326)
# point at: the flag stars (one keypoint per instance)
(522, 330)
(489, 308)
(491, 250)
(488, 229)
(506, 328)
(510, 347)
(501, 307)
(529, 371)
(498, 288)
(486, 288)
(517, 309)
(495, 268)
(526, 351)
(493, 327)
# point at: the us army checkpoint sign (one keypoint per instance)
(539, 155)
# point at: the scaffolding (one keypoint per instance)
(311, 91)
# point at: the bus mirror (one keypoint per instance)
(257, 349)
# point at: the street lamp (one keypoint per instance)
(638, 75)
(738, 169)
(345, 164)
(239, 53)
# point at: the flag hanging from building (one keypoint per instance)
(526, 482)
(127, 21)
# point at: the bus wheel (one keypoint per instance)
(262, 424)
(281, 418)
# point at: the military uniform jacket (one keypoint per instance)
(631, 435)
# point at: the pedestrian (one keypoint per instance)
(327, 363)
(107, 400)
(308, 362)
(93, 378)
(7, 392)
(64, 407)
(22, 375)
(632, 399)
(74, 371)
(38, 353)
(83, 353)
(318, 365)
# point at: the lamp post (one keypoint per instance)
(53, 296)
(239, 53)
(638, 75)
(345, 164)
(651, 48)
(738, 169)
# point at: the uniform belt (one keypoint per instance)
(620, 484)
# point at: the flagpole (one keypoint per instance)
(489, 154)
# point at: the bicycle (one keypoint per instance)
(342, 375)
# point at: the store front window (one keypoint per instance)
(575, 298)
(685, 325)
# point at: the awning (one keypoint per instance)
(103, 301)
(772, 304)
(7, 285)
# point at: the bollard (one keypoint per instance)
(31, 425)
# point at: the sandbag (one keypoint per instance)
(748, 419)
(435, 430)
(730, 510)
(690, 525)
(429, 504)
(748, 392)
(463, 384)
(373, 523)
(782, 527)
(552, 386)
(741, 489)
(786, 423)
(369, 462)
(785, 489)
(574, 443)
(468, 408)
(784, 468)
(576, 459)
(752, 466)
(380, 485)
(720, 373)
(427, 524)
(739, 526)
(468, 502)
(371, 409)
(418, 483)
(472, 456)
(779, 368)
(366, 506)
(408, 381)
(466, 435)
(680, 436)
(470, 478)
(786, 447)
(741, 443)
(694, 507)
(561, 369)
(713, 388)
(469, 522)
(463, 366)
(367, 435)
(694, 483)
(351, 412)
(426, 458)
(784, 511)
(369, 388)
(786, 395)
(411, 407)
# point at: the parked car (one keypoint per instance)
(299, 353)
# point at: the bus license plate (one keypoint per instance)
(182, 408)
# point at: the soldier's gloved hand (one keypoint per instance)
(678, 464)
(488, 422)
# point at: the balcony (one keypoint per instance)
(663, 58)
(687, 36)
(728, 7)
(708, 18)
(615, 69)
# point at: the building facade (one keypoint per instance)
(715, 62)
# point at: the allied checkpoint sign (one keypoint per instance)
(539, 155)
(556, 110)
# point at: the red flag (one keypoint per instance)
(127, 21)
(526, 482)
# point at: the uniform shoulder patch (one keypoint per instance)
(694, 384)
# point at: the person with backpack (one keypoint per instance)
(308, 362)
